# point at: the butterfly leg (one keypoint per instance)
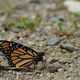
(47, 66)
(35, 72)
(35, 65)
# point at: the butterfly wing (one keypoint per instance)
(17, 54)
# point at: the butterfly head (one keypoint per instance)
(40, 56)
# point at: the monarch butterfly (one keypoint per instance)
(19, 55)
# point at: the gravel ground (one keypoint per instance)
(62, 52)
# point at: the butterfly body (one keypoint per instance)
(19, 55)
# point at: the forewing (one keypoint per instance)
(17, 54)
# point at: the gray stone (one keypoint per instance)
(53, 40)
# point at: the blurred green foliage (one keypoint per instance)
(9, 8)
(25, 22)
(75, 18)
(74, 22)
(59, 26)
(76, 14)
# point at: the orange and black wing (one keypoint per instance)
(17, 54)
